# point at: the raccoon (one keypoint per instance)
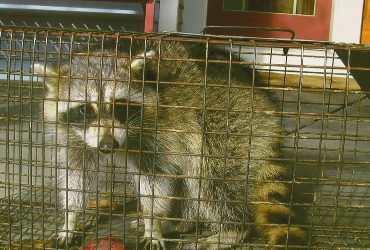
(187, 121)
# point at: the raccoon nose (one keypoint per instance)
(106, 146)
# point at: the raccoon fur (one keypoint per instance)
(187, 123)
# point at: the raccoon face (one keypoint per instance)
(103, 125)
(94, 101)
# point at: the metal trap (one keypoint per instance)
(324, 141)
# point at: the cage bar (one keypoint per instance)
(324, 114)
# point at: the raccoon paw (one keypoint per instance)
(210, 243)
(137, 227)
(153, 244)
(297, 236)
(62, 238)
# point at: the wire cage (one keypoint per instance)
(324, 138)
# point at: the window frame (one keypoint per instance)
(307, 27)
(294, 8)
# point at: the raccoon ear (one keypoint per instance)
(49, 73)
(137, 65)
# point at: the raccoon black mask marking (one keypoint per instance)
(86, 114)
(121, 110)
(80, 115)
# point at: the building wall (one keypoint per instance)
(345, 27)
(168, 15)
(194, 16)
(346, 19)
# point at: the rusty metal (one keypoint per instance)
(324, 113)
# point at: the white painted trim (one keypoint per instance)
(346, 21)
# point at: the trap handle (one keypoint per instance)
(285, 50)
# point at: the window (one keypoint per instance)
(309, 19)
(295, 7)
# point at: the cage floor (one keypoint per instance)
(37, 220)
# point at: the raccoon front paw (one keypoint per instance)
(297, 236)
(210, 243)
(153, 244)
(64, 238)
(137, 227)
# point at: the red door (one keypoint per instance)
(308, 19)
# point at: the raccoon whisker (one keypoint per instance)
(135, 118)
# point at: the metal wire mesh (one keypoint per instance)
(323, 112)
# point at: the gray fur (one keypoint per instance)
(210, 138)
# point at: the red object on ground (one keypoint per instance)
(106, 244)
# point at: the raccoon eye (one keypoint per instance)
(82, 110)
(87, 111)
(82, 114)
(120, 111)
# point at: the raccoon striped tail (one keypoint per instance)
(273, 215)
